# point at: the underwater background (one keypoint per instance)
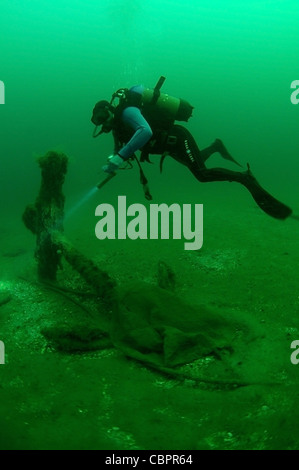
(234, 61)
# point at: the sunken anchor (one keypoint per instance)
(45, 218)
(46, 214)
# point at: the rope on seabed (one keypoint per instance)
(63, 291)
(224, 382)
(66, 289)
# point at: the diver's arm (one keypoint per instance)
(132, 117)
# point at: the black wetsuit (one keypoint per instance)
(178, 143)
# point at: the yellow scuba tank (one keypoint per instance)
(164, 103)
(162, 107)
(159, 109)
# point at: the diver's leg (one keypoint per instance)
(185, 148)
(208, 151)
(187, 152)
(264, 200)
(217, 146)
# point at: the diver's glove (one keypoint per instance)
(114, 162)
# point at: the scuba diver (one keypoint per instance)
(144, 120)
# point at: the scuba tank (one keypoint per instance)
(167, 108)
(159, 109)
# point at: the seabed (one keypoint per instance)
(101, 399)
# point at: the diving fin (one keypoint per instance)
(264, 200)
(220, 147)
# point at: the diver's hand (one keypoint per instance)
(114, 162)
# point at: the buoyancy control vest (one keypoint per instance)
(159, 109)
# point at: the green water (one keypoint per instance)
(234, 61)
